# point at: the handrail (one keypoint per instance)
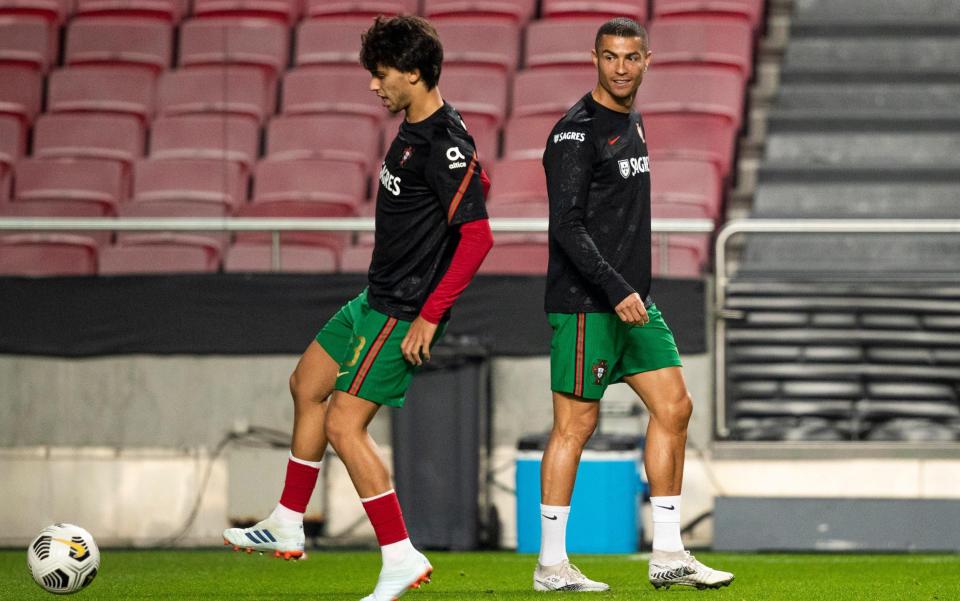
(330, 224)
(791, 226)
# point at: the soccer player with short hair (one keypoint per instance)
(606, 329)
(431, 236)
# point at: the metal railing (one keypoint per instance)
(276, 226)
(793, 226)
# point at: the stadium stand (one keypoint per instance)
(336, 183)
(366, 8)
(232, 90)
(596, 9)
(21, 89)
(221, 185)
(160, 253)
(844, 336)
(222, 41)
(695, 40)
(52, 11)
(166, 10)
(213, 137)
(285, 11)
(141, 43)
(60, 208)
(349, 138)
(117, 138)
(330, 41)
(27, 41)
(526, 137)
(515, 258)
(550, 90)
(335, 241)
(97, 89)
(686, 189)
(38, 254)
(13, 142)
(482, 42)
(330, 89)
(519, 10)
(479, 93)
(86, 181)
(249, 257)
(554, 42)
(749, 10)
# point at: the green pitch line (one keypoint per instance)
(210, 575)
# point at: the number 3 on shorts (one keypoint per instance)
(361, 341)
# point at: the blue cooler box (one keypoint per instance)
(604, 511)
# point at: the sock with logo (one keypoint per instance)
(553, 534)
(297, 489)
(666, 523)
(387, 520)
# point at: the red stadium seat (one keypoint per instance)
(526, 137)
(52, 11)
(518, 10)
(516, 259)
(318, 181)
(108, 137)
(233, 90)
(257, 42)
(518, 181)
(47, 255)
(110, 41)
(551, 90)
(478, 93)
(686, 89)
(212, 137)
(485, 42)
(331, 40)
(169, 11)
(286, 11)
(356, 258)
(86, 89)
(337, 137)
(369, 8)
(95, 182)
(684, 258)
(13, 143)
(294, 258)
(486, 138)
(691, 137)
(749, 10)
(704, 40)
(596, 9)
(21, 89)
(522, 210)
(61, 208)
(683, 189)
(160, 253)
(331, 89)
(176, 182)
(560, 42)
(217, 137)
(296, 209)
(27, 41)
(168, 208)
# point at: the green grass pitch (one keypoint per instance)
(210, 575)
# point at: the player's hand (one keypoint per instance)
(415, 346)
(631, 310)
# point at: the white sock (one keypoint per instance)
(395, 552)
(287, 515)
(553, 534)
(666, 523)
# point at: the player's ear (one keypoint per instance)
(413, 77)
(595, 56)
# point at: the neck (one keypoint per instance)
(422, 106)
(606, 100)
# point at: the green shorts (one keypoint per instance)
(590, 351)
(366, 344)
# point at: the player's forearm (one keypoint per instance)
(579, 247)
(476, 240)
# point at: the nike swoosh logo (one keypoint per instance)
(549, 517)
(77, 548)
(613, 141)
(341, 373)
(671, 508)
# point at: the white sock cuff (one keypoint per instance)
(666, 509)
(313, 464)
(558, 509)
(284, 513)
(375, 497)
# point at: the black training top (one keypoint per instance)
(429, 185)
(598, 181)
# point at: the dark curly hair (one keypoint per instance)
(622, 27)
(406, 43)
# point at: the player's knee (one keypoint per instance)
(578, 431)
(679, 412)
(305, 395)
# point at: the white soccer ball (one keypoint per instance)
(63, 559)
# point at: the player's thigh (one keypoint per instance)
(573, 414)
(315, 374)
(663, 391)
(583, 351)
(349, 414)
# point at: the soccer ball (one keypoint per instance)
(63, 559)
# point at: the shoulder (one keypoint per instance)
(573, 132)
(449, 134)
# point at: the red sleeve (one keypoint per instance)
(476, 240)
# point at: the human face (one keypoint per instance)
(621, 63)
(393, 87)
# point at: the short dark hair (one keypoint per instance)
(622, 27)
(406, 43)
